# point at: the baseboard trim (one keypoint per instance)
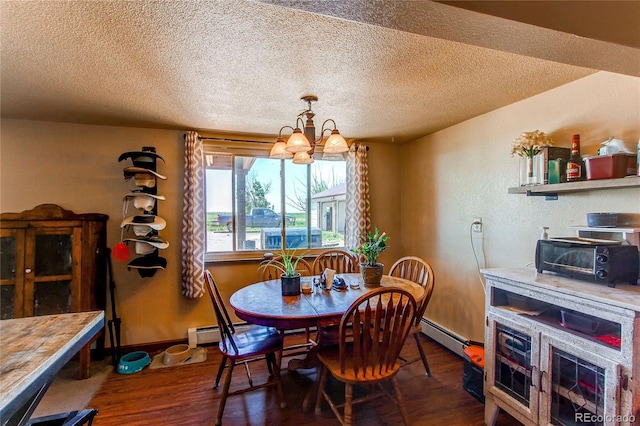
(447, 338)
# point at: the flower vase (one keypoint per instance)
(530, 170)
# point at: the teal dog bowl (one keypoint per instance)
(133, 362)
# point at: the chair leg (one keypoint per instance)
(348, 396)
(225, 392)
(422, 354)
(248, 371)
(400, 399)
(220, 370)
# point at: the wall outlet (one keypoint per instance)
(477, 224)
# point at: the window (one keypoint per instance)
(252, 200)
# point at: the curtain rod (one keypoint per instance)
(238, 140)
(227, 140)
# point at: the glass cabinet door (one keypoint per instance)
(11, 273)
(580, 387)
(512, 374)
(53, 264)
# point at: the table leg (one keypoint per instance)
(309, 361)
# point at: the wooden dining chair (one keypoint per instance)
(340, 261)
(371, 334)
(419, 271)
(270, 272)
(254, 343)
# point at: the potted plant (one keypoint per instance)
(372, 244)
(287, 263)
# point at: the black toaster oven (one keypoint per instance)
(596, 260)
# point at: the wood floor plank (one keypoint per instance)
(184, 396)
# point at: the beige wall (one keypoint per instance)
(76, 166)
(462, 172)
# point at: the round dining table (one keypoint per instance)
(263, 303)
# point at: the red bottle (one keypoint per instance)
(575, 171)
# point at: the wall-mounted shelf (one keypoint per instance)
(587, 185)
(628, 234)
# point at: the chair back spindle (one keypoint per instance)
(340, 261)
(375, 328)
(222, 315)
(417, 270)
(270, 272)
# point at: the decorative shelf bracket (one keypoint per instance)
(549, 196)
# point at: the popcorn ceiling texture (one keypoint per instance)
(390, 73)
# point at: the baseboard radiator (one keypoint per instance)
(447, 338)
(211, 334)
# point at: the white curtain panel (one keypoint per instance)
(193, 218)
(358, 208)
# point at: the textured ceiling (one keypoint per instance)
(386, 71)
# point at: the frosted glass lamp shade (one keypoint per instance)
(279, 150)
(302, 157)
(298, 142)
(335, 143)
(333, 156)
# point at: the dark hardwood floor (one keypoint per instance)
(184, 396)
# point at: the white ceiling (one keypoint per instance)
(386, 70)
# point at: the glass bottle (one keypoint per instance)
(574, 165)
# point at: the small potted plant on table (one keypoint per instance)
(372, 244)
(287, 263)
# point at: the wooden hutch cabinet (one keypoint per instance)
(53, 261)
(561, 351)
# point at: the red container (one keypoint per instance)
(610, 166)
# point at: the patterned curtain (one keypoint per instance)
(358, 215)
(193, 218)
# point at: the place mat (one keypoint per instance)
(197, 355)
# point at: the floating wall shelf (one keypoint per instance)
(552, 191)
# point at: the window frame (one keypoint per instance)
(257, 149)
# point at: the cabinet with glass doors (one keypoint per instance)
(53, 261)
(560, 351)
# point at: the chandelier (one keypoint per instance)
(301, 146)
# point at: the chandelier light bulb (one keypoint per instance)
(298, 142)
(279, 150)
(335, 143)
(302, 157)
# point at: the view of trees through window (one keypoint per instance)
(249, 198)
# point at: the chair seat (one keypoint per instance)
(330, 357)
(255, 340)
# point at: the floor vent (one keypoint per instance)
(447, 338)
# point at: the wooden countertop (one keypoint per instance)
(622, 295)
(32, 351)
